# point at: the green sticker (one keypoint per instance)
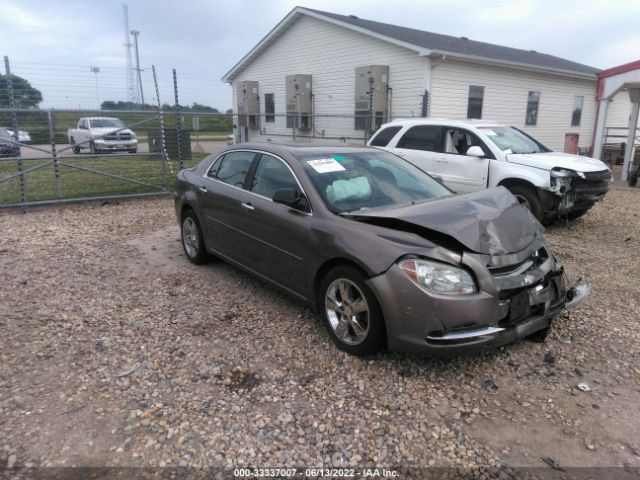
(339, 158)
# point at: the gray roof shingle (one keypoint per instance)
(450, 44)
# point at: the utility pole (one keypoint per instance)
(96, 70)
(131, 81)
(135, 34)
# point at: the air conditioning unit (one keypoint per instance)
(372, 86)
(248, 104)
(299, 102)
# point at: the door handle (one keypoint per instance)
(203, 189)
(247, 206)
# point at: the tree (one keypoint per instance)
(24, 94)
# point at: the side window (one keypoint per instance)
(384, 136)
(458, 141)
(234, 167)
(214, 168)
(422, 137)
(272, 175)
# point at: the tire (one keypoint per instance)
(192, 239)
(575, 214)
(74, 149)
(528, 197)
(360, 331)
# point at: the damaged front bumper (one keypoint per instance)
(572, 191)
(518, 296)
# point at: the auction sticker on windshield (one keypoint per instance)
(325, 165)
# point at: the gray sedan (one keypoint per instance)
(388, 255)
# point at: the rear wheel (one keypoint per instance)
(351, 312)
(75, 148)
(529, 199)
(192, 239)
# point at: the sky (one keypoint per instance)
(54, 44)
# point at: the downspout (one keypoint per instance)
(599, 91)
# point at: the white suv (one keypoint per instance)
(470, 156)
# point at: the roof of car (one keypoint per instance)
(443, 121)
(302, 149)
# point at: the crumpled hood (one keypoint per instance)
(489, 221)
(549, 160)
(108, 130)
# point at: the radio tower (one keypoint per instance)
(132, 91)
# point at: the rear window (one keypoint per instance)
(384, 136)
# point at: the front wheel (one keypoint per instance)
(351, 312)
(192, 239)
(529, 199)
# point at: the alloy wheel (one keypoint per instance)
(347, 311)
(190, 237)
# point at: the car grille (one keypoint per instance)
(118, 136)
(597, 176)
(537, 258)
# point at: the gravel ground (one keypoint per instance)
(115, 351)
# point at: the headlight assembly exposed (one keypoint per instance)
(438, 277)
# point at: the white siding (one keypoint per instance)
(619, 110)
(505, 99)
(330, 54)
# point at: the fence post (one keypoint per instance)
(163, 150)
(178, 121)
(14, 126)
(54, 155)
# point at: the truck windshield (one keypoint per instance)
(106, 123)
(512, 140)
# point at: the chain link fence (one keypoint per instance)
(50, 156)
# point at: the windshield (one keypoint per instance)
(512, 140)
(349, 182)
(106, 122)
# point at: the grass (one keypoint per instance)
(36, 123)
(75, 183)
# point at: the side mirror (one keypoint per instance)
(291, 198)
(475, 151)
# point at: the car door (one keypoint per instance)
(281, 235)
(224, 202)
(421, 145)
(460, 172)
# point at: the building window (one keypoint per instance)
(269, 108)
(533, 102)
(476, 96)
(576, 114)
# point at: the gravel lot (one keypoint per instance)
(115, 351)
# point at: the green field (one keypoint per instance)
(36, 124)
(40, 184)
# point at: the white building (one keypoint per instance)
(544, 95)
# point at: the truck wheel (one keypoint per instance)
(528, 198)
(75, 148)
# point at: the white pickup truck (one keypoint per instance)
(102, 134)
(470, 156)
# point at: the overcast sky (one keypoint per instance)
(53, 44)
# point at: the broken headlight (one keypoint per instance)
(560, 181)
(438, 277)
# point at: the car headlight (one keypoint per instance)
(565, 173)
(438, 277)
